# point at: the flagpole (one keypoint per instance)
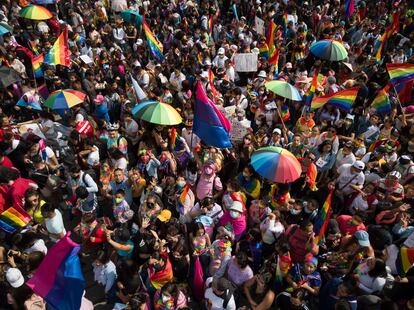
(398, 99)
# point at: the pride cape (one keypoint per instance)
(209, 123)
(400, 73)
(154, 45)
(321, 221)
(343, 99)
(381, 102)
(59, 280)
(59, 53)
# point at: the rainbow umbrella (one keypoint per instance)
(329, 50)
(157, 113)
(284, 90)
(276, 164)
(64, 99)
(35, 12)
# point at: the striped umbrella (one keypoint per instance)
(329, 50)
(157, 113)
(284, 89)
(276, 164)
(64, 99)
(35, 12)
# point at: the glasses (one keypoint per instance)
(311, 158)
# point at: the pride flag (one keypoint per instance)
(184, 193)
(79, 39)
(59, 53)
(405, 260)
(58, 279)
(159, 278)
(311, 91)
(209, 123)
(349, 8)
(15, 217)
(321, 221)
(389, 31)
(154, 45)
(400, 73)
(141, 95)
(342, 99)
(211, 77)
(404, 91)
(37, 65)
(381, 102)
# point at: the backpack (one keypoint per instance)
(92, 174)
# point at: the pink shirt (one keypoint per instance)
(205, 186)
(239, 224)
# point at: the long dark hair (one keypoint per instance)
(379, 269)
(172, 289)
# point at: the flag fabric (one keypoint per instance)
(37, 65)
(59, 279)
(321, 221)
(79, 39)
(394, 27)
(141, 95)
(349, 8)
(404, 91)
(159, 278)
(311, 175)
(400, 73)
(342, 99)
(405, 260)
(198, 280)
(15, 217)
(209, 123)
(184, 193)
(285, 113)
(234, 8)
(59, 53)
(43, 91)
(270, 36)
(311, 91)
(284, 24)
(381, 102)
(273, 51)
(211, 77)
(6, 227)
(154, 45)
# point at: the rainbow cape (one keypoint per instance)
(311, 91)
(405, 260)
(321, 221)
(59, 279)
(14, 217)
(159, 278)
(251, 187)
(381, 102)
(154, 45)
(342, 99)
(37, 65)
(59, 53)
(400, 73)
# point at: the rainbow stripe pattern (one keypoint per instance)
(184, 194)
(79, 39)
(343, 99)
(13, 218)
(37, 65)
(389, 31)
(400, 73)
(381, 102)
(311, 91)
(405, 260)
(59, 279)
(59, 53)
(154, 45)
(321, 221)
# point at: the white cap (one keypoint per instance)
(277, 130)
(207, 62)
(350, 116)
(359, 165)
(262, 74)
(140, 42)
(395, 174)
(237, 206)
(79, 118)
(14, 277)
(220, 51)
(256, 50)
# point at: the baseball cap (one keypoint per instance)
(277, 130)
(363, 238)
(359, 165)
(350, 116)
(99, 98)
(262, 74)
(395, 174)
(164, 216)
(237, 206)
(14, 277)
(220, 51)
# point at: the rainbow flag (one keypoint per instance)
(213, 89)
(184, 194)
(59, 279)
(400, 73)
(175, 139)
(321, 221)
(381, 102)
(389, 31)
(37, 65)
(274, 59)
(59, 53)
(284, 24)
(311, 175)
(342, 99)
(311, 91)
(349, 8)
(159, 278)
(264, 51)
(405, 260)
(210, 28)
(270, 36)
(285, 113)
(79, 39)
(154, 45)
(15, 217)
(404, 91)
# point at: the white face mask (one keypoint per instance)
(234, 214)
(165, 299)
(307, 210)
(294, 211)
(259, 123)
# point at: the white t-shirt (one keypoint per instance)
(341, 159)
(49, 154)
(93, 157)
(55, 225)
(39, 246)
(345, 177)
(216, 303)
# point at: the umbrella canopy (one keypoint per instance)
(329, 50)
(276, 164)
(131, 17)
(35, 12)
(64, 99)
(284, 89)
(5, 28)
(30, 100)
(157, 113)
(46, 1)
(8, 76)
(119, 5)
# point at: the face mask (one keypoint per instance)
(348, 123)
(261, 92)
(165, 299)
(308, 211)
(150, 205)
(234, 214)
(261, 79)
(119, 200)
(294, 211)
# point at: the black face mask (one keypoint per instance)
(158, 267)
(150, 205)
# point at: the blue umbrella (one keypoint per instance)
(141, 105)
(30, 99)
(132, 17)
(4, 28)
(45, 1)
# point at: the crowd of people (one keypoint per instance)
(155, 217)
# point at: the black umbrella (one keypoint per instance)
(8, 76)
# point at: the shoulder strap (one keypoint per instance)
(349, 182)
(84, 179)
(227, 296)
(291, 232)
